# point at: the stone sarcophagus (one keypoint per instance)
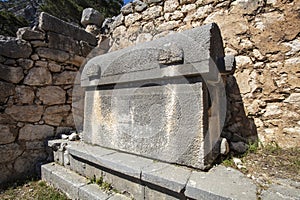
(163, 99)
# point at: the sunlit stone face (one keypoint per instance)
(160, 121)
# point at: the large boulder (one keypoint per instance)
(91, 16)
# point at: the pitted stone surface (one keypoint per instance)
(221, 183)
(51, 23)
(168, 176)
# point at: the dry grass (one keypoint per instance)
(270, 162)
(35, 190)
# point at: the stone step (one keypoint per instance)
(147, 179)
(74, 185)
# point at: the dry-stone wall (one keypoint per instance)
(37, 72)
(264, 93)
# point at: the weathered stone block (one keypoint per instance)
(10, 152)
(64, 78)
(7, 134)
(11, 74)
(135, 189)
(92, 191)
(35, 132)
(25, 63)
(6, 119)
(38, 76)
(30, 113)
(27, 33)
(54, 67)
(55, 114)
(64, 179)
(84, 169)
(52, 95)
(167, 176)
(91, 16)
(202, 185)
(53, 54)
(6, 90)
(14, 48)
(51, 23)
(24, 95)
(61, 42)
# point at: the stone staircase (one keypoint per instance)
(134, 177)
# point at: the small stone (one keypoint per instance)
(118, 21)
(131, 18)
(127, 9)
(92, 16)
(74, 136)
(93, 29)
(144, 37)
(64, 136)
(242, 61)
(152, 13)
(41, 63)
(224, 147)
(171, 5)
(245, 6)
(273, 110)
(139, 6)
(202, 12)
(294, 98)
(35, 57)
(54, 67)
(25, 63)
(257, 54)
(170, 25)
(237, 161)
(188, 8)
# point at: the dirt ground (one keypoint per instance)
(266, 164)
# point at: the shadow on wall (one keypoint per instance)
(239, 129)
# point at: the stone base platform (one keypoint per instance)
(74, 185)
(138, 177)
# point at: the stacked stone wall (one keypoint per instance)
(37, 73)
(264, 93)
